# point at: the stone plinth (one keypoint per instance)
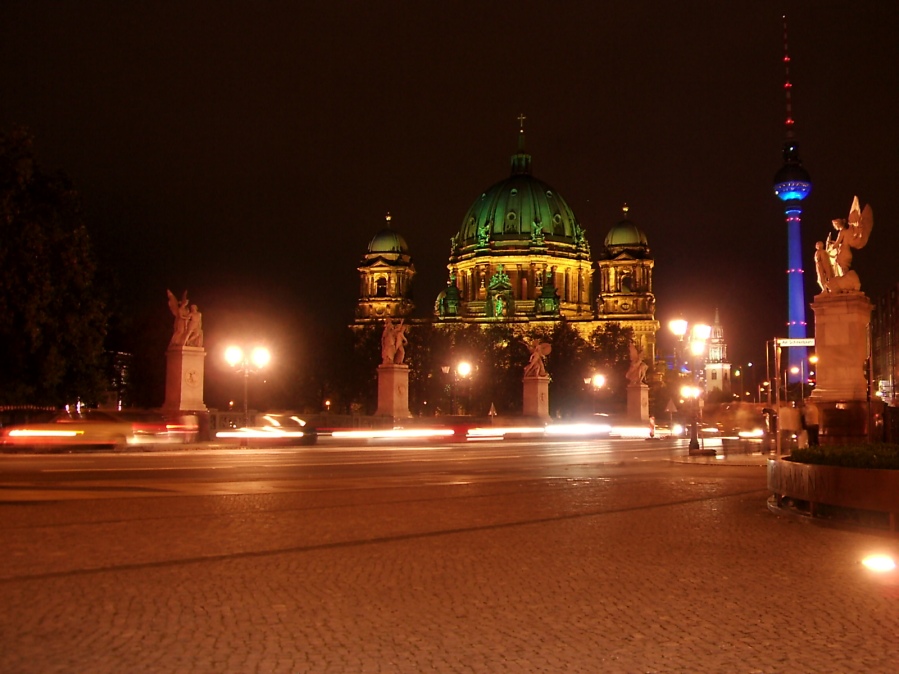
(536, 397)
(393, 391)
(638, 402)
(841, 339)
(184, 379)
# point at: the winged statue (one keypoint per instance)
(536, 366)
(833, 258)
(181, 311)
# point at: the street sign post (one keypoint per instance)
(795, 341)
(780, 342)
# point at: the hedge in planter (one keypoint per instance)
(871, 456)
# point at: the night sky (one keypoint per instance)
(248, 151)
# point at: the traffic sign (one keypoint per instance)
(796, 341)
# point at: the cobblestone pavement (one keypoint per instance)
(668, 571)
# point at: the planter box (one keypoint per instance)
(858, 488)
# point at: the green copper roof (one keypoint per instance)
(520, 207)
(388, 241)
(626, 233)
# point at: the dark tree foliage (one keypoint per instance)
(356, 375)
(54, 323)
(610, 353)
(498, 356)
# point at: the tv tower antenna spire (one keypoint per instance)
(787, 84)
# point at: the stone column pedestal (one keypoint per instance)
(841, 343)
(536, 397)
(393, 391)
(638, 402)
(184, 379)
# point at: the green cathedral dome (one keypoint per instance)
(520, 210)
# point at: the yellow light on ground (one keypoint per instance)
(879, 563)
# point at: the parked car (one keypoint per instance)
(89, 428)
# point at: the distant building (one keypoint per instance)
(885, 346)
(717, 367)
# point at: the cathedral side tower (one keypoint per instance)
(625, 283)
(385, 278)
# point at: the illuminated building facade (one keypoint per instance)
(521, 258)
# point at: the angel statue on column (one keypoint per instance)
(536, 366)
(833, 258)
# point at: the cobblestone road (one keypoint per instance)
(649, 574)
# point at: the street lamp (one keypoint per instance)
(597, 381)
(678, 328)
(463, 369)
(813, 363)
(697, 338)
(245, 363)
(692, 393)
(765, 387)
(742, 390)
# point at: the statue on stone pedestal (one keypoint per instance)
(188, 328)
(193, 335)
(536, 366)
(636, 373)
(393, 343)
(179, 311)
(833, 258)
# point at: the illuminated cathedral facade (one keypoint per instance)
(520, 257)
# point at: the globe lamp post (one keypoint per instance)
(692, 394)
(678, 328)
(246, 363)
(597, 381)
(697, 338)
(462, 370)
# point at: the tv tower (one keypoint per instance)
(792, 184)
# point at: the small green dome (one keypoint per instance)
(626, 234)
(388, 241)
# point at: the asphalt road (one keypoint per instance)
(329, 465)
(578, 556)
